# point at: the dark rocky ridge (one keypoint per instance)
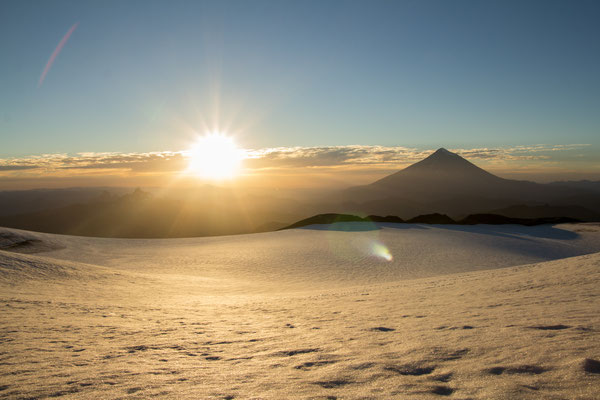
(432, 219)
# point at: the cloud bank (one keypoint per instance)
(381, 156)
(274, 158)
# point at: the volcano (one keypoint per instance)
(446, 182)
(442, 173)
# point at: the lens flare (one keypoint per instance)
(55, 53)
(381, 250)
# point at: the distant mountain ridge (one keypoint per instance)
(14, 202)
(142, 215)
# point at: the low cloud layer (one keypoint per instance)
(162, 162)
(356, 156)
(331, 157)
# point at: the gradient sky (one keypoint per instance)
(144, 76)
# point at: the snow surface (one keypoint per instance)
(343, 311)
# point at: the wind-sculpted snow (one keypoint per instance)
(26, 242)
(414, 312)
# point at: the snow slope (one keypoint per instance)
(307, 313)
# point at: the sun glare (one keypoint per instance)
(215, 156)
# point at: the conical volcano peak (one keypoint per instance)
(443, 156)
(440, 168)
(442, 152)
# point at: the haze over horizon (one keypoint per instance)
(314, 93)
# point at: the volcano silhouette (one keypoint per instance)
(446, 182)
(444, 173)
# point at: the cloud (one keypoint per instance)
(326, 157)
(381, 156)
(331, 156)
(134, 162)
(16, 167)
(162, 162)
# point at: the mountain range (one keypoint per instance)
(442, 183)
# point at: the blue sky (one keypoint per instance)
(141, 76)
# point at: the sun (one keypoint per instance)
(215, 156)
